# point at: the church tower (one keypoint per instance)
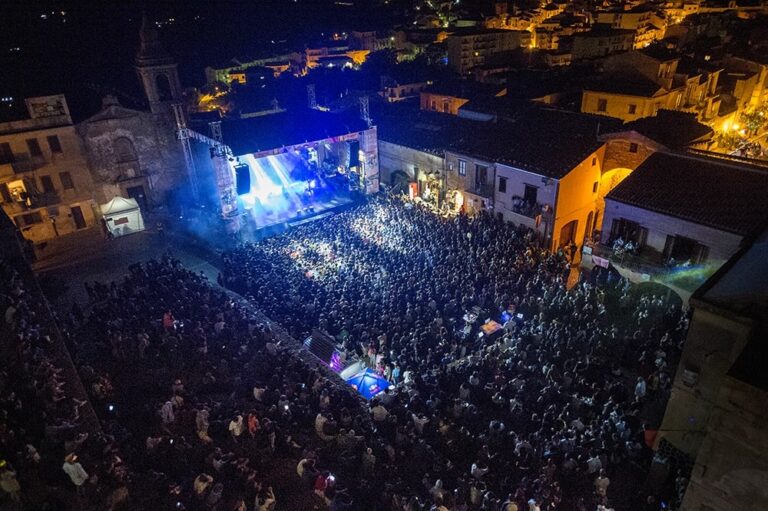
(157, 71)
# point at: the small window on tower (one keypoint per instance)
(164, 92)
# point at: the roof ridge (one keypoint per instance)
(722, 159)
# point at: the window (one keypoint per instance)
(54, 144)
(47, 183)
(446, 107)
(66, 180)
(632, 147)
(462, 168)
(163, 85)
(602, 105)
(594, 187)
(29, 219)
(6, 154)
(531, 195)
(594, 161)
(628, 230)
(34, 147)
(5, 194)
(502, 185)
(632, 109)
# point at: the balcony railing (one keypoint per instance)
(482, 189)
(44, 199)
(642, 259)
(524, 207)
(24, 162)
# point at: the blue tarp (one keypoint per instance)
(368, 383)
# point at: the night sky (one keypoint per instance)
(89, 50)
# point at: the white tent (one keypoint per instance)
(123, 216)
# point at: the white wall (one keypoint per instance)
(516, 181)
(722, 245)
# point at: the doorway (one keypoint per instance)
(137, 192)
(568, 232)
(77, 217)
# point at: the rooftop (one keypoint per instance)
(468, 89)
(286, 128)
(680, 185)
(525, 141)
(601, 30)
(624, 84)
(541, 140)
(670, 128)
(741, 287)
(404, 124)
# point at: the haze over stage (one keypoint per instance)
(289, 128)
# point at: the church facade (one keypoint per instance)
(133, 153)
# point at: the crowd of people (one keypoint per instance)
(539, 417)
(205, 404)
(42, 405)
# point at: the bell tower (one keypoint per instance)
(157, 71)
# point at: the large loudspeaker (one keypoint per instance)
(243, 178)
(354, 153)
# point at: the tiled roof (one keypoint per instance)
(405, 125)
(287, 128)
(468, 89)
(671, 128)
(725, 195)
(540, 140)
(624, 84)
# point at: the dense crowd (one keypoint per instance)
(42, 404)
(538, 417)
(204, 404)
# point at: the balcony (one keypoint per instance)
(482, 190)
(524, 207)
(43, 199)
(24, 162)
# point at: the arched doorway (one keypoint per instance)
(568, 233)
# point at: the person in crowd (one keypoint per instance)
(533, 413)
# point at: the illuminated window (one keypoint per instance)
(462, 168)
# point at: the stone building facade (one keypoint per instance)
(134, 153)
(716, 413)
(45, 185)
